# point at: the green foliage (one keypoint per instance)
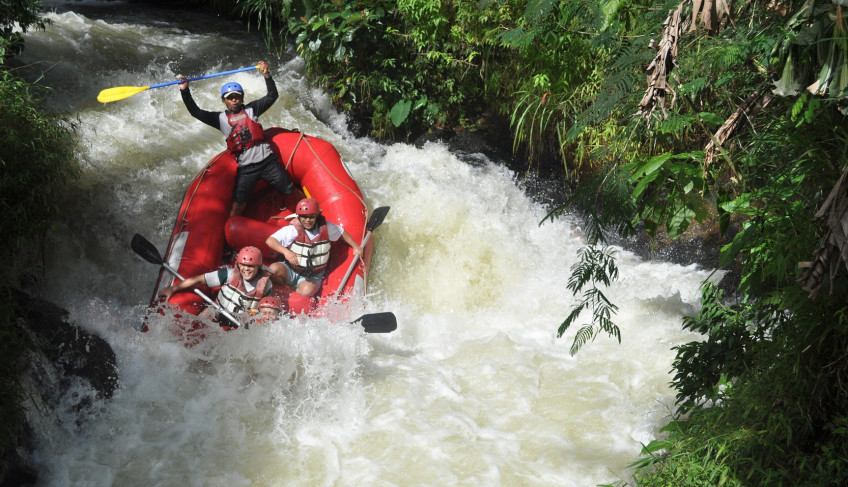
(771, 365)
(781, 419)
(413, 64)
(787, 173)
(401, 65)
(37, 160)
(814, 52)
(23, 14)
(559, 42)
(595, 266)
(681, 199)
(267, 16)
(702, 368)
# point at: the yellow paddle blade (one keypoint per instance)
(119, 93)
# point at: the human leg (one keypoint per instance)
(307, 288)
(276, 176)
(246, 179)
(279, 274)
(283, 274)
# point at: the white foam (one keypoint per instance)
(473, 388)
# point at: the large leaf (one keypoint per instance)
(400, 111)
(651, 166)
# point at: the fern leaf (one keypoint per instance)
(575, 313)
(538, 10)
(584, 334)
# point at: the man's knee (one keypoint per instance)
(284, 185)
(278, 273)
(307, 289)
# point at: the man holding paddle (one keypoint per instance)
(242, 287)
(245, 137)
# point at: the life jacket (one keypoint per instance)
(246, 132)
(234, 296)
(312, 255)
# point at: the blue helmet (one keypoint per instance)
(231, 87)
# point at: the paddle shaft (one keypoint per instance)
(352, 266)
(121, 92)
(376, 220)
(249, 68)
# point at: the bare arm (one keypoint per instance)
(357, 250)
(167, 292)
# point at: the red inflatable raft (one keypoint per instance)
(205, 238)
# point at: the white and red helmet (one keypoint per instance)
(249, 256)
(308, 206)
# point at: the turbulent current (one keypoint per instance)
(472, 389)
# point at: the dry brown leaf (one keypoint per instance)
(834, 247)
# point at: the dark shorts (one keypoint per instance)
(268, 170)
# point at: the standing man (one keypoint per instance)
(245, 137)
(304, 252)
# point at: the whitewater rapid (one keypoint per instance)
(472, 389)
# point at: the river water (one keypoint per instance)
(473, 389)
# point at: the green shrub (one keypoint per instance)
(16, 17)
(37, 160)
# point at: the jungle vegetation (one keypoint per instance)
(663, 115)
(37, 160)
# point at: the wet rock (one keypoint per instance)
(73, 351)
(63, 356)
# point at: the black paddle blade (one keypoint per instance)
(377, 217)
(146, 250)
(378, 322)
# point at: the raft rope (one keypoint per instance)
(291, 158)
(364, 205)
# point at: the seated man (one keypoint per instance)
(240, 291)
(304, 249)
(269, 309)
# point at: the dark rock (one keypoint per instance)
(62, 355)
(76, 352)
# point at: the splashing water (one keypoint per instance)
(473, 388)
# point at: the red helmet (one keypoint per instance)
(270, 302)
(308, 206)
(249, 256)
